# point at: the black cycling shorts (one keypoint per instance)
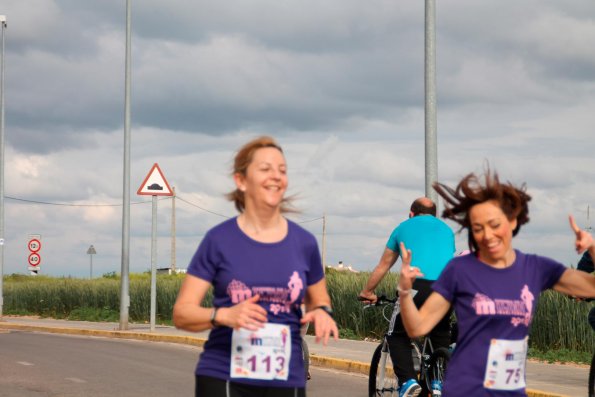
(207, 386)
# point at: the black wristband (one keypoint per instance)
(213, 321)
(325, 308)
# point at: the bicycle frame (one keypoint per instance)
(382, 384)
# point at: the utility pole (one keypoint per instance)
(124, 284)
(431, 145)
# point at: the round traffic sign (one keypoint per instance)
(34, 259)
(34, 245)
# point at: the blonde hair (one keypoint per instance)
(242, 160)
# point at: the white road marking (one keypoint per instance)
(24, 363)
(76, 380)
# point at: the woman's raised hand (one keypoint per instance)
(408, 273)
(584, 240)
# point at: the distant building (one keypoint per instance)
(168, 270)
(342, 268)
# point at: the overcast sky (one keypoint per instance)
(339, 83)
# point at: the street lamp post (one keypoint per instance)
(431, 141)
(91, 251)
(124, 282)
(2, 27)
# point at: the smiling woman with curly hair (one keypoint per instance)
(494, 289)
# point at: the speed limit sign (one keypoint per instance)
(34, 245)
(34, 259)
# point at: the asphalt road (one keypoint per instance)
(44, 365)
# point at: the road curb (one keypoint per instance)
(340, 364)
(187, 340)
(539, 393)
(315, 359)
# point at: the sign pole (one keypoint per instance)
(2, 28)
(324, 242)
(173, 230)
(91, 251)
(153, 263)
(154, 185)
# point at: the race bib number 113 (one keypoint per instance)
(262, 354)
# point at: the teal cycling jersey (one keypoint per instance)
(430, 240)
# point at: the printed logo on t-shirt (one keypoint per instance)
(520, 310)
(279, 299)
(274, 341)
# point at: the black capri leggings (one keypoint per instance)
(592, 318)
(207, 386)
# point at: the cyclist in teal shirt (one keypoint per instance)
(585, 264)
(431, 239)
(432, 242)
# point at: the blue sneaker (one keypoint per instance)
(410, 389)
(436, 388)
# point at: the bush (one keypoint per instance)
(559, 324)
(60, 297)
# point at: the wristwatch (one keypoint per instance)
(326, 308)
(214, 322)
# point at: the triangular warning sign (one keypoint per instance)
(155, 184)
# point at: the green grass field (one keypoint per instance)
(560, 330)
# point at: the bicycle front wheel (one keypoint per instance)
(306, 355)
(382, 380)
(437, 368)
(592, 378)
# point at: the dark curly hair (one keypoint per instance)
(470, 191)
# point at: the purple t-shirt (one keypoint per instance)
(490, 303)
(239, 267)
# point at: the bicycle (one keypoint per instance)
(591, 385)
(592, 378)
(591, 381)
(429, 363)
(305, 349)
(306, 355)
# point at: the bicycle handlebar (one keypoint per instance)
(578, 299)
(382, 300)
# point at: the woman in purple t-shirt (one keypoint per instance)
(262, 267)
(493, 290)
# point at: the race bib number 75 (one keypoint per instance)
(505, 369)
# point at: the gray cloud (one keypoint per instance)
(340, 84)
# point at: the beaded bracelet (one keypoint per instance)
(403, 292)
